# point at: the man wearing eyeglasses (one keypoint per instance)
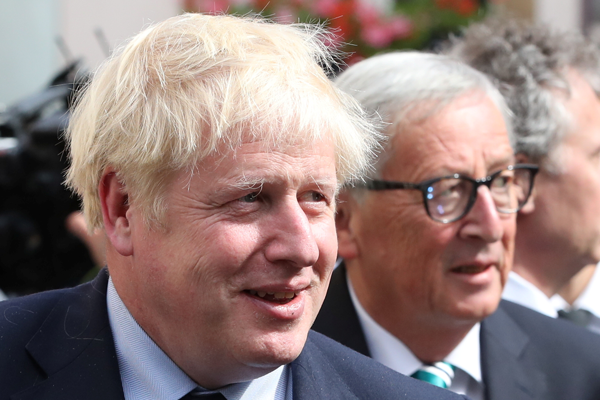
(551, 81)
(427, 243)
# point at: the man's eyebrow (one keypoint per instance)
(245, 183)
(327, 183)
(499, 164)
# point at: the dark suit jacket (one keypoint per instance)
(524, 355)
(58, 345)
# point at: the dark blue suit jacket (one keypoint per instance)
(524, 355)
(58, 346)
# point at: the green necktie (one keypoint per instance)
(439, 374)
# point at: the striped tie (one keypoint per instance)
(439, 374)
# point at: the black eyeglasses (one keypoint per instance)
(450, 198)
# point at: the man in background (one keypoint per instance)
(551, 82)
(427, 243)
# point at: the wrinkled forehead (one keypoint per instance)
(467, 135)
(254, 164)
(296, 145)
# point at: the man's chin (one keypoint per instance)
(277, 350)
(475, 308)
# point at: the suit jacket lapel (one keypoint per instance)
(314, 378)
(338, 319)
(507, 374)
(75, 349)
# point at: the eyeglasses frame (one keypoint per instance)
(379, 185)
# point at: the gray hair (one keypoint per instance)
(406, 87)
(529, 64)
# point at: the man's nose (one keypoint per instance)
(291, 239)
(483, 220)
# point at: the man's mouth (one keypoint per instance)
(470, 269)
(274, 297)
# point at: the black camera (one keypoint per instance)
(36, 250)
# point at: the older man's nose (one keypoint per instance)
(292, 240)
(483, 220)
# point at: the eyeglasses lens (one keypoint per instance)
(448, 199)
(516, 187)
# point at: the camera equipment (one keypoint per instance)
(36, 250)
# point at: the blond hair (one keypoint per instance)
(197, 85)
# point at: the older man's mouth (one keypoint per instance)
(274, 297)
(478, 274)
(470, 269)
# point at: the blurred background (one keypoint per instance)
(29, 29)
(48, 47)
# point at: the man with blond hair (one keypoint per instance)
(210, 150)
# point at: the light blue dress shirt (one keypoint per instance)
(148, 373)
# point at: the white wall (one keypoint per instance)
(561, 14)
(118, 20)
(29, 56)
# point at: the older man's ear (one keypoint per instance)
(115, 207)
(530, 205)
(347, 246)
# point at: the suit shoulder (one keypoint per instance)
(21, 317)
(557, 336)
(546, 326)
(364, 377)
(27, 312)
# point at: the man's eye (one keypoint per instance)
(250, 198)
(316, 196)
(502, 181)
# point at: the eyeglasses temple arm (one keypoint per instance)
(389, 185)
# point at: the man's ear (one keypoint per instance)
(115, 204)
(530, 205)
(347, 246)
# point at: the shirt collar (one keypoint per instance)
(520, 291)
(391, 352)
(590, 297)
(588, 300)
(148, 373)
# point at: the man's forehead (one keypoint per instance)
(455, 141)
(253, 165)
(244, 177)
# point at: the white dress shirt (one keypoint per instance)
(391, 352)
(148, 373)
(588, 300)
(521, 291)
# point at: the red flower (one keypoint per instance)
(463, 7)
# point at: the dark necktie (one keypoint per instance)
(200, 394)
(578, 316)
(439, 374)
